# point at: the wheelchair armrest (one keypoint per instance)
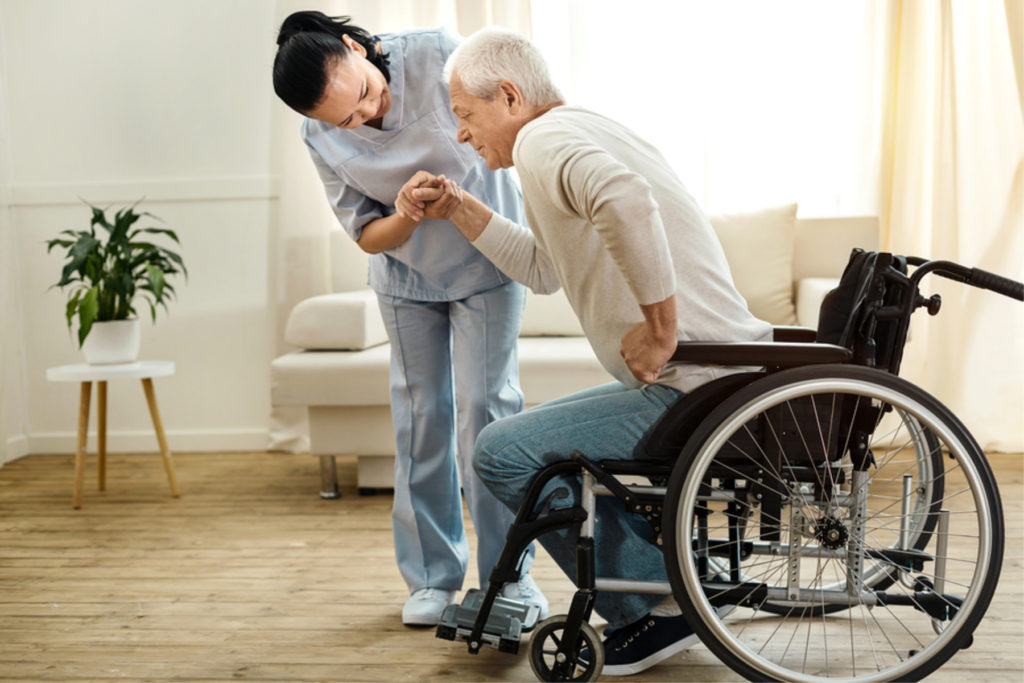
(770, 354)
(794, 333)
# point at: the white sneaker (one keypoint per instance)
(526, 590)
(424, 607)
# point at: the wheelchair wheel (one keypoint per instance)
(922, 460)
(548, 652)
(804, 500)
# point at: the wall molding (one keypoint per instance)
(153, 189)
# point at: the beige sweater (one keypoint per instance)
(613, 225)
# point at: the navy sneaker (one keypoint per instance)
(639, 646)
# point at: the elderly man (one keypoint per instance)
(610, 223)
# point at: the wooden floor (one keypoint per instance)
(250, 576)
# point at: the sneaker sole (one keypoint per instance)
(662, 654)
(421, 620)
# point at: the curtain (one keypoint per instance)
(953, 188)
(754, 103)
(300, 260)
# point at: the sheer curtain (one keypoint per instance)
(754, 103)
(954, 186)
(300, 261)
(906, 110)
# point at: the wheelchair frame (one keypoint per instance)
(787, 466)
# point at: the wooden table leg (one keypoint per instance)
(83, 435)
(101, 435)
(158, 426)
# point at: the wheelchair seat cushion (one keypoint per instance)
(667, 437)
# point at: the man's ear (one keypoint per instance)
(511, 96)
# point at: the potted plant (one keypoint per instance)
(106, 272)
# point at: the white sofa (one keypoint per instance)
(339, 371)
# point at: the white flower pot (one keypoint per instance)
(113, 341)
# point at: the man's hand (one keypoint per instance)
(648, 347)
(428, 196)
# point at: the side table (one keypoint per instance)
(101, 374)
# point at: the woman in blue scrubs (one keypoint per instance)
(377, 112)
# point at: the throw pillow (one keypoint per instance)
(759, 248)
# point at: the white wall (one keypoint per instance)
(13, 389)
(111, 101)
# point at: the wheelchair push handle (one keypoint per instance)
(971, 276)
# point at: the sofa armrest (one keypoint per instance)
(339, 321)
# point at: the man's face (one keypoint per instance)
(488, 125)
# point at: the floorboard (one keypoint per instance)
(251, 576)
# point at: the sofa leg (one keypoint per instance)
(328, 478)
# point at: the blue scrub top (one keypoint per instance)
(363, 170)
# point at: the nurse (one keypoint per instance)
(378, 111)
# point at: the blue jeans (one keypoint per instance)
(454, 369)
(603, 423)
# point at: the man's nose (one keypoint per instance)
(461, 134)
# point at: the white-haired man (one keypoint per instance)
(611, 224)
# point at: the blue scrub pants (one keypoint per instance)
(603, 423)
(454, 370)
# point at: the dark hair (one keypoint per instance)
(307, 45)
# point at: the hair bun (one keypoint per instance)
(301, 22)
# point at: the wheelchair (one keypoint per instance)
(848, 520)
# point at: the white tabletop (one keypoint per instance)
(83, 372)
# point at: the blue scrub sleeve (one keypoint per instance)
(353, 209)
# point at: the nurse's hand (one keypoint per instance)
(405, 204)
(428, 196)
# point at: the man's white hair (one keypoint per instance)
(494, 54)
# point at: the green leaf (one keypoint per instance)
(156, 280)
(72, 307)
(87, 309)
(159, 231)
(99, 218)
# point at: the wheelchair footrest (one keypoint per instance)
(505, 624)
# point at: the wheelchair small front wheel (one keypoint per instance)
(550, 654)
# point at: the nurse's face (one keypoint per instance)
(356, 92)
(490, 126)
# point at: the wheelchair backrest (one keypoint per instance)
(865, 313)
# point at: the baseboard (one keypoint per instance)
(145, 441)
(16, 447)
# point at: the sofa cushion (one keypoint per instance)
(331, 378)
(811, 292)
(549, 367)
(549, 315)
(759, 248)
(343, 320)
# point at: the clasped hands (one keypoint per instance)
(426, 195)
